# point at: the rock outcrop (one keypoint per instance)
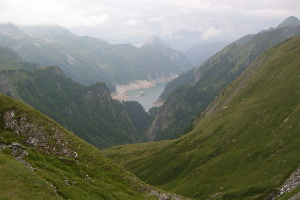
(50, 142)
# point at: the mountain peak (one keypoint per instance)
(154, 40)
(11, 30)
(290, 21)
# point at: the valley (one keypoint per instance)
(243, 146)
(81, 118)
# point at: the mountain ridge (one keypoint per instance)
(190, 94)
(290, 21)
(89, 111)
(244, 146)
(86, 59)
(175, 56)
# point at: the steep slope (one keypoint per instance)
(140, 119)
(86, 59)
(89, 112)
(244, 146)
(197, 54)
(39, 159)
(203, 84)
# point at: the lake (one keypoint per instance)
(149, 97)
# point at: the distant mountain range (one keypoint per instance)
(89, 60)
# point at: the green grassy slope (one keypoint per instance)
(39, 159)
(201, 86)
(244, 146)
(17, 180)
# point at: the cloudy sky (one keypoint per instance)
(194, 21)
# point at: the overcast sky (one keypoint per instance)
(135, 20)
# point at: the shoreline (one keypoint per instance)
(122, 89)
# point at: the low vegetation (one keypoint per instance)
(201, 86)
(39, 159)
(244, 146)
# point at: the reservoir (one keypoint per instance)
(146, 96)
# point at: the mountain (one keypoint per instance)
(290, 21)
(177, 57)
(39, 159)
(88, 111)
(245, 145)
(11, 60)
(191, 93)
(85, 59)
(197, 54)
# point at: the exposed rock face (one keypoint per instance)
(163, 196)
(19, 152)
(50, 141)
(292, 182)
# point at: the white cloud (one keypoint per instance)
(211, 32)
(130, 22)
(63, 13)
(119, 19)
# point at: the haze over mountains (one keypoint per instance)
(229, 127)
(197, 54)
(89, 60)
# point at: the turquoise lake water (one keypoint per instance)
(150, 97)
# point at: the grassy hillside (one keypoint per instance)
(201, 86)
(87, 111)
(244, 146)
(39, 159)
